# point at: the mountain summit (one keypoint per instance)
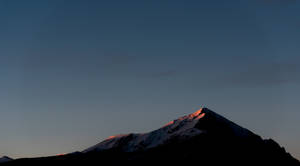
(183, 128)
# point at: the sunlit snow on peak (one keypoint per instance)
(183, 127)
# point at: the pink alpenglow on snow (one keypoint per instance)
(183, 127)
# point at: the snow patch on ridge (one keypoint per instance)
(182, 128)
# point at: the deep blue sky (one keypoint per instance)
(75, 72)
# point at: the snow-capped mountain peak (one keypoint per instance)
(182, 128)
(189, 118)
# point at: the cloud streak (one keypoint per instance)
(266, 74)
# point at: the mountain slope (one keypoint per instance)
(201, 135)
(182, 128)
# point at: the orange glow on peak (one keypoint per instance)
(200, 116)
(169, 123)
(116, 136)
(197, 112)
(111, 137)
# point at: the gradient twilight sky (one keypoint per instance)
(75, 72)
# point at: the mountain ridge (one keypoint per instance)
(201, 136)
(184, 126)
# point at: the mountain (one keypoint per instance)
(5, 159)
(201, 138)
(182, 129)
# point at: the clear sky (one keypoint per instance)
(75, 72)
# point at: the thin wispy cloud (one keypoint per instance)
(266, 75)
